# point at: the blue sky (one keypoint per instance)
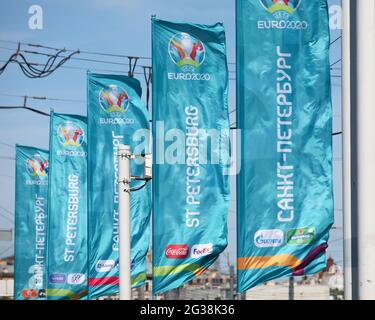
(111, 26)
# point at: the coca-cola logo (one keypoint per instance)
(177, 251)
(29, 294)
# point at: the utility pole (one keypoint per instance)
(124, 180)
(124, 155)
(346, 147)
(291, 288)
(365, 137)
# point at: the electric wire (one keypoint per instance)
(26, 108)
(41, 98)
(88, 52)
(31, 70)
(336, 62)
(5, 176)
(139, 187)
(6, 144)
(338, 38)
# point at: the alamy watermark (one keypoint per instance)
(35, 21)
(36, 17)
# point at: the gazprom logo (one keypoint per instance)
(280, 7)
(269, 238)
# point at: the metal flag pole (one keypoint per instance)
(124, 155)
(346, 149)
(365, 134)
(124, 180)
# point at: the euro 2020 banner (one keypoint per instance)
(191, 150)
(285, 199)
(116, 115)
(30, 223)
(67, 210)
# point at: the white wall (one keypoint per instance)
(6, 287)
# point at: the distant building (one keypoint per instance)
(7, 267)
(215, 284)
(273, 291)
(6, 278)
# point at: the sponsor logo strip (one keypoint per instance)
(201, 250)
(177, 251)
(187, 267)
(64, 293)
(29, 294)
(94, 282)
(301, 236)
(139, 278)
(105, 265)
(260, 262)
(268, 238)
(57, 278)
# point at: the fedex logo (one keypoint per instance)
(201, 250)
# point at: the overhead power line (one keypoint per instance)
(132, 60)
(338, 38)
(7, 158)
(336, 62)
(5, 176)
(6, 144)
(41, 98)
(26, 107)
(105, 54)
(85, 51)
(97, 69)
(53, 62)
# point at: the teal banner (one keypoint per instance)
(191, 150)
(116, 115)
(67, 210)
(30, 244)
(285, 196)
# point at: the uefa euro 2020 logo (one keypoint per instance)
(186, 51)
(37, 166)
(114, 99)
(70, 135)
(280, 8)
